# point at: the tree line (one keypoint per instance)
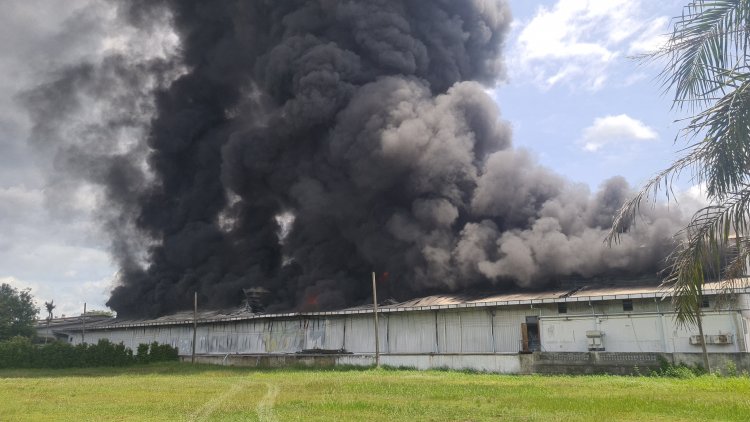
(18, 314)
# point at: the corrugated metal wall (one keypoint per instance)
(450, 331)
(465, 330)
(411, 332)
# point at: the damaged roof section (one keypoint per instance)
(446, 301)
(60, 327)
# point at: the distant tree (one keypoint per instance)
(50, 306)
(17, 312)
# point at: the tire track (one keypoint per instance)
(264, 409)
(210, 406)
(265, 405)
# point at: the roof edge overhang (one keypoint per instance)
(658, 295)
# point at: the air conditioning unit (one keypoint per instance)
(721, 339)
(596, 343)
(718, 339)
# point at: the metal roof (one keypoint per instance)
(74, 321)
(441, 302)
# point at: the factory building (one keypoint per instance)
(566, 329)
(62, 328)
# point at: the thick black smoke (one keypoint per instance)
(299, 145)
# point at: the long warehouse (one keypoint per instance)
(627, 322)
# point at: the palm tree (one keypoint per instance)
(706, 65)
(50, 306)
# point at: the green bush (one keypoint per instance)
(57, 355)
(730, 369)
(142, 353)
(106, 353)
(681, 370)
(162, 353)
(156, 352)
(19, 352)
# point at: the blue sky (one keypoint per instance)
(578, 98)
(573, 96)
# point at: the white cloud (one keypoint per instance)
(69, 296)
(609, 129)
(577, 41)
(16, 283)
(652, 35)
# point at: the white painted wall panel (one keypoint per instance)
(564, 335)
(713, 323)
(632, 333)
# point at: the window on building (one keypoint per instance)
(705, 303)
(627, 305)
(562, 308)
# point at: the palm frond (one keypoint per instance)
(706, 64)
(699, 254)
(709, 40)
(721, 159)
(725, 156)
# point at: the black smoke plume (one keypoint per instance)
(299, 145)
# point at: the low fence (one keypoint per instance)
(629, 363)
(573, 363)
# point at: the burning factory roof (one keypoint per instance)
(446, 301)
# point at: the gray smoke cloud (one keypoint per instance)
(365, 124)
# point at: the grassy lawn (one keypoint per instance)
(185, 392)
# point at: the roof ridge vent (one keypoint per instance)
(572, 292)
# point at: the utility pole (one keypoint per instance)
(83, 318)
(375, 312)
(195, 324)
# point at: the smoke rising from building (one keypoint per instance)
(300, 145)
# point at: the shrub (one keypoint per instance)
(156, 352)
(19, 352)
(680, 370)
(142, 353)
(730, 368)
(57, 355)
(162, 353)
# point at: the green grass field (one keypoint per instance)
(185, 392)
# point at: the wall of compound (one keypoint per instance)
(535, 363)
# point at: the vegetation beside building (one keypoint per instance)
(19, 352)
(17, 312)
